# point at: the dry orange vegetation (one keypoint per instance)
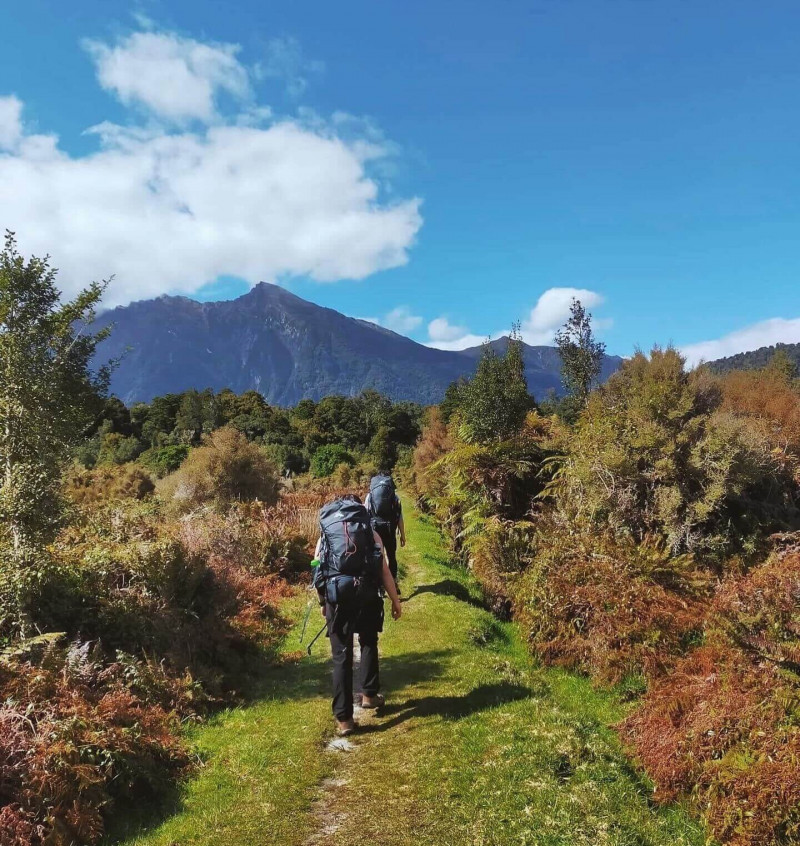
(657, 549)
(162, 620)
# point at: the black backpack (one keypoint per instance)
(348, 563)
(383, 500)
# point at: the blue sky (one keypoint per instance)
(446, 168)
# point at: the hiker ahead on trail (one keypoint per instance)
(352, 570)
(386, 512)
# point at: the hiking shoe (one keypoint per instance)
(372, 703)
(344, 728)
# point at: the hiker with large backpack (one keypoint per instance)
(386, 511)
(352, 572)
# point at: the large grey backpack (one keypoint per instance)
(347, 558)
(383, 500)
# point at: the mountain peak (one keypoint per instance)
(285, 347)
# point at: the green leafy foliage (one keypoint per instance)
(369, 427)
(47, 392)
(581, 354)
(652, 454)
(161, 461)
(492, 405)
(327, 458)
(628, 538)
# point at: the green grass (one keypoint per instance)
(476, 746)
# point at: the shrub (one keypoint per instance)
(723, 727)
(105, 484)
(161, 461)
(434, 442)
(493, 404)
(118, 449)
(74, 739)
(286, 458)
(274, 541)
(497, 555)
(226, 469)
(651, 456)
(473, 482)
(771, 403)
(133, 581)
(327, 458)
(607, 606)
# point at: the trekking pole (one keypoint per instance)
(316, 637)
(314, 564)
(305, 620)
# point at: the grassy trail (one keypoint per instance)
(475, 746)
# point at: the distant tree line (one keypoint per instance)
(780, 355)
(316, 435)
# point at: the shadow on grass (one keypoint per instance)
(480, 698)
(447, 587)
(136, 820)
(298, 681)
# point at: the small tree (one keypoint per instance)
(581, 355)
(782, 365)
(48, 393)
(493, 404)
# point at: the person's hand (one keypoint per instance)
(402, 540)
(322, 611)
(397, 610)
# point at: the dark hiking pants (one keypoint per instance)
(388, 536)
(341, 629)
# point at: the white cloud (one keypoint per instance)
(10, 122)
(172, 211)
(552, 310)
(401, 320)
(285, 61)
(766, 333)
(446, 336)
(545, 318)
(176, 78)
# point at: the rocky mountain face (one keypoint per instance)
(288, 349)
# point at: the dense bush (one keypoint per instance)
(161, 461)
(136, 583)
(724, 727)
(628, 539)
(107, 484)
(434, 442)
(652, 455)
(226, 469)
(327, 458)
(164, 619)
(607, 606)
(75, 737)
(770, 401)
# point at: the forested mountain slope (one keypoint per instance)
(755, 358)
(285, 347)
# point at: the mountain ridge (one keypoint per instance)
(288, 348)
(753, 359)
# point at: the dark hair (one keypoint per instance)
(352, 498)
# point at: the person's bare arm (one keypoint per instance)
(388, 581)
(402, 527)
